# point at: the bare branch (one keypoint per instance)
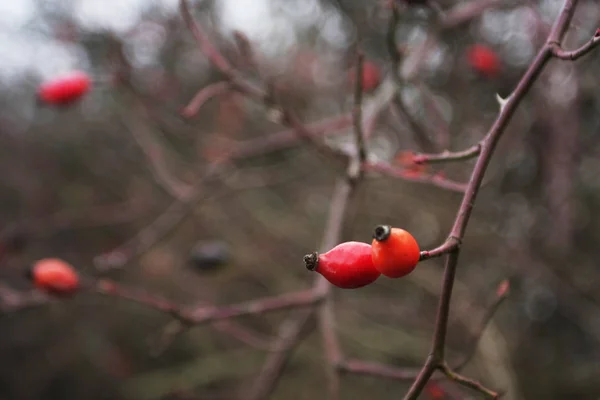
(357, 110)
(290, 331)
(434, 180)
(448, 156)
(575, 54)
(203, 95)
(467, 382)
(216, 58)
(376, 369)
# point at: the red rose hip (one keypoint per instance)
(65, 90)
(348, 265)
(395, 252)
(55, 276)
(484, 60)
(371, 76)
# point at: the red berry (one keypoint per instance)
(65, 90)
(371, 77)
(55, 276)
(484, 60)
(348, 265)
(395, 252)
(435, 391)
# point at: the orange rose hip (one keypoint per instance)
(395, 252)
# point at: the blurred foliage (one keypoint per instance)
(75, 184)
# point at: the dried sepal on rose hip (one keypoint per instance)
(55, 276)
(395, 252)
(348, 265)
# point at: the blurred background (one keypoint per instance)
(121, 173)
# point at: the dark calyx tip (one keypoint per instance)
(382, 232)
(311, 261)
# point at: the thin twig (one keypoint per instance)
(206, 314)
(447, 156)
(203, 95)
(434, 180)
(468, 382)
(501, 295)
(154, 154)
(216, 58)
(290, 331)
(575, 54)
(357, 110)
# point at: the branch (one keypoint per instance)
(203, 95)
(502, 293)
(467, 382)
(290, 332)
(436, 357)
(155, 157)
(575, 54)
(216, 58)
(376, 369)
(447, 156)
(434, 180)
(357, 110)
(204, 314)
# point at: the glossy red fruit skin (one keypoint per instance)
(349, 265)
(55, 276)
(65, 90)
(484, 60)
(395, 252)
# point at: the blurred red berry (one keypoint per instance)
(484, 60)
(435, 392)
(65, 90)
(371, 76)
(409, 161)
(55, 276)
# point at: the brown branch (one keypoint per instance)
(290, 119)
(502, 293)
(434, 180)
(447, 156)
(203, 95)
(176, 213)
(436, 357)
(468, 382)
(290, 332)
(377, 370)
(357, 110)
(156, 159)
(575, 54)
(216, 58)
(361, 367)
(205, 314)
